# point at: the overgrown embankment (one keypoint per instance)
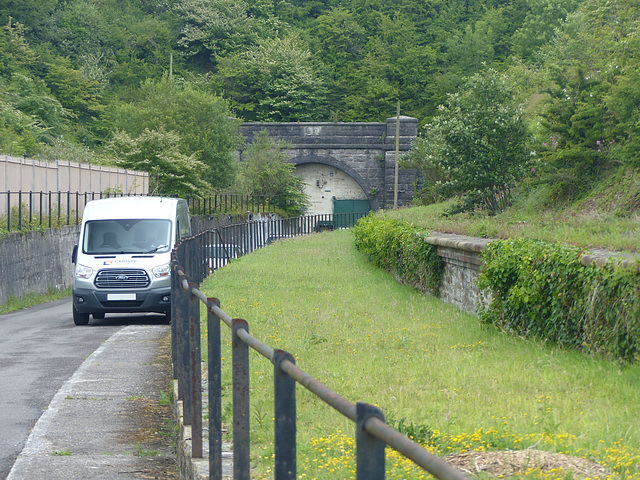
(534, 288)
(543, 290)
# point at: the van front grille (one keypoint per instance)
(125, 278)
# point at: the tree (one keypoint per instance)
(264, 170)
(479, 139)
(589, 117)
(394, 66)
(219, 28)
(474, 49)
(276, 80)
(340, 37)
(539, 26)
(201, 120)
(171, 172)
(15, 53)
(30, 115)
(31, 13)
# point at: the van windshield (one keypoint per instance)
(127, 236)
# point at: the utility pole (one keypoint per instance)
(395, 183)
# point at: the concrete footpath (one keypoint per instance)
(111, 419)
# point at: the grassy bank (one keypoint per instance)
(605, 217)
(590, 230)
(13, 304)
(435, 372)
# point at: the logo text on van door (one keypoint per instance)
(119, 262)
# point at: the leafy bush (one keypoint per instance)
(542, 289)
(265, 171)
(400, 248)
(476, 147)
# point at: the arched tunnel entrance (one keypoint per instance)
(346, 165)
(331, 190)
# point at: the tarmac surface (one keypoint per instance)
(112, 418)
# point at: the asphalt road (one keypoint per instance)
(40, 349)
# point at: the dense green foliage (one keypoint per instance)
(76, 74)
(543, 290)
(200, 121)
(400, 248)
(264, 170)
(477, 143)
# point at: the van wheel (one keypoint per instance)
(80, 318)
(98, 315)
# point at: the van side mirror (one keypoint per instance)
(74, 254)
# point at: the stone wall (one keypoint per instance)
(36, 262)
(462, 262)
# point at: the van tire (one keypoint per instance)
(80, 318)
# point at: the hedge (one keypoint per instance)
(541, 289)
(400, 249)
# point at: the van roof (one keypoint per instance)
(130, 207)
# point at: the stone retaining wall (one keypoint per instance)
(461, 257)
(35, 262)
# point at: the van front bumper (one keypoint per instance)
(122, 301)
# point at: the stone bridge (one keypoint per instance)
(346, 161)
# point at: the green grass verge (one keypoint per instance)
(435, 371)
(586, 229)
(13, 303)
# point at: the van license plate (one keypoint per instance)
(121, 296)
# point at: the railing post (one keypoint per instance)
(370, 461)
(241, 406)
(195, 372)
(50, 208)
(175, 285)
(215, 391)
(285, 419)
(8, 210)
(20, 210)
(202, 273)
(185, 354)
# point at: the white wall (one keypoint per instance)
(323, 183)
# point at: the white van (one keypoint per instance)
(123, 256)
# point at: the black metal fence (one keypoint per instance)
(20, 210)
(371, 432)
(224, 203)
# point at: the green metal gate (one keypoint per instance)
(360, 207)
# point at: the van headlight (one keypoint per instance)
(162, 270)
(83, 272)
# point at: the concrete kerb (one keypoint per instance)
(106, 413)
(191, 468)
